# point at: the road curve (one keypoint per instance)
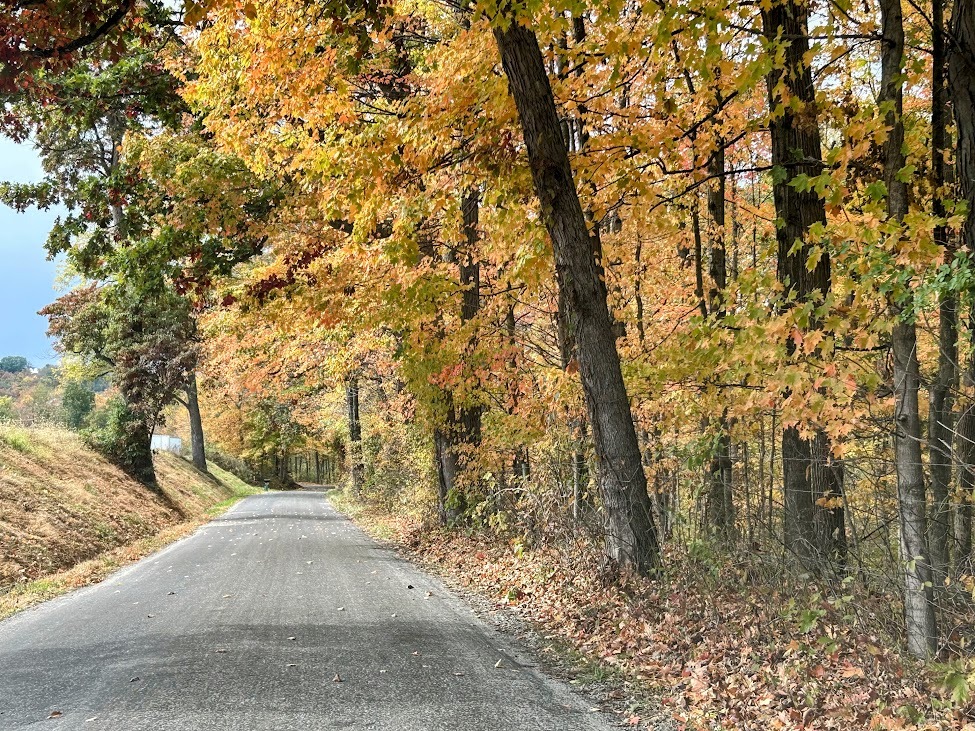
(279, 615)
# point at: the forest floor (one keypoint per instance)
(711, 644)
(68, 517)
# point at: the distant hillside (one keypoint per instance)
(62, 503)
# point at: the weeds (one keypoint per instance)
(17, 438)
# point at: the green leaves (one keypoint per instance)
(876, 190)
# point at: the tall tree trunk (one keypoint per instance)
(966, 456)
(196, 425)
(829, 517)
(919, 611)
(136, 448)
(520, 465)
(961, 81)
(459, 437)
(630, 535)
(469, 418)
(282, 463)
(797, 150)
(721, 506)
(943, 386)
(356, 466)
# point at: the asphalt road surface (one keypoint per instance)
(279, 615)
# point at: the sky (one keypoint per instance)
(26, 276)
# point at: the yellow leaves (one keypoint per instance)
(811, 341)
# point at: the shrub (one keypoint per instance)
(123, 437)
(230, 463)
(7, 412)
(78, 402)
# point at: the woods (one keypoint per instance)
(629, 282)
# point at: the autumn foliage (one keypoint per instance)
(676, 298)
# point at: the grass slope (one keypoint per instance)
(68, 517)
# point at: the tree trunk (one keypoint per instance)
(138, 450)
(456, 441)
(829, 513)
(196, 425)
(448, 501)
(468, 420)
(961, 82)
(942, 388)
(796, 150)
(356, 466)
(966, 470)
(630, 535)
(919, 611)
(520, 466)
(283, 473)
(721, 506)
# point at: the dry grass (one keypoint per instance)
(68, 517)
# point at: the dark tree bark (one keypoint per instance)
(919, 610)
(721, 505)
(961, 81)
(797, 150)
(284, 474)
(136, 453)
(197, 443)
(829, 517)
(630, 535)
(520, 466)
(943, 386)
(356, 466)
(460, 436)
(962, 554)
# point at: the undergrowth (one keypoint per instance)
(17, 438)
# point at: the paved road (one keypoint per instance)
(249, 623)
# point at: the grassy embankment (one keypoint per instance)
(68, 518)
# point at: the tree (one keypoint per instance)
(961, 82)
(45, 36)
(813, 535)
(7, 412)
(77, 401)
(14, 364)
(145, 341)
(944, 386)
(919, 610)
(630, 534)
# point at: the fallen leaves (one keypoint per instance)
(723, 652)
